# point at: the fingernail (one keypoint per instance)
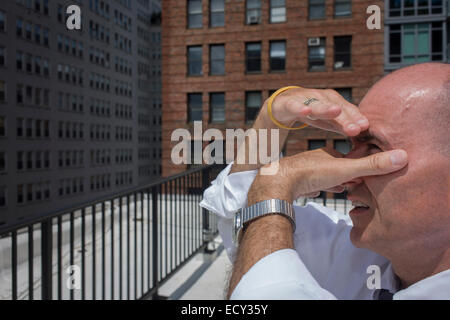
(398, 157)
(363, 122)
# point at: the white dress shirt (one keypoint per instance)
(324, 264)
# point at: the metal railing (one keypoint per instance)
(123, 246)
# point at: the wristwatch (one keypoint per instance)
(261, 209)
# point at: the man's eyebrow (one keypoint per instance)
(367, 135)
(364, 136)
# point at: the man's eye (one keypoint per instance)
(373, 148)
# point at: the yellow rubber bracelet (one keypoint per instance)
(269, 109)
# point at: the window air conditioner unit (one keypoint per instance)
(253, 18)
(338, 64)
(313, 42)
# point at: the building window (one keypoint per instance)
(2, 91)
(2, 21)
(342, 52)
(195, 60)
(253, 12)
(346, 93)
(316, 9)
(46, 7)
(20, 156)
(277, 11)
(2, 127)
(316, 54)
(253, 57)
(2, 161)
(316, 144)
(20, 193)
(415, 43)
(399, 8)
(37, 65)
(45, 36)
(19, 60)
(217, 14)
(20, 127)
(253, 102)
(194, 107)
(343, 146)
(342, 8)
(37, 34)
(217, 107)
(19, 28)
(217, 59)
(277, 55)
(28, 30)
(195, 14)
(46, 68)
(448, 36)
(2, 197)
(2, 56)
(29, 192)
(28, 63)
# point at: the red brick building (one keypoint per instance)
(220, 58)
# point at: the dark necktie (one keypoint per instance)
(385, 294)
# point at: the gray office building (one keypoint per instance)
(80, 110)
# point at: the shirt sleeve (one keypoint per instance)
(226, 195)
(289, 280)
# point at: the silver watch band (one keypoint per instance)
(260, 209)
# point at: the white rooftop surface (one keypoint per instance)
(203, 277)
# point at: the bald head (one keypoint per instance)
(417, 97)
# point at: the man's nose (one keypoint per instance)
(354, 154)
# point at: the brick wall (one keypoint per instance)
(367, 63)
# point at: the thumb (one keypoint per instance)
(378, 163)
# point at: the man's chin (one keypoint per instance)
(357, 237)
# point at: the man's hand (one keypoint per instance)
(301, 174)
(332, 112)
(324, 169)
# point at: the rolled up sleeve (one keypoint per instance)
(227, 194)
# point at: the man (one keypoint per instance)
(397, 175)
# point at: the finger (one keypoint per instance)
(322, 110)
(312, 194)
(347, 121)
(355, 114)
(350, 118)
(337, 189)
(376, 164)
(317, 109)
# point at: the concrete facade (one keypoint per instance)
(73, 137)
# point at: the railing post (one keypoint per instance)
(46, 256)
(207, 233)
(155, 255)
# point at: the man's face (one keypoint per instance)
(405, 206)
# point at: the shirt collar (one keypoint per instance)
(435, 287)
